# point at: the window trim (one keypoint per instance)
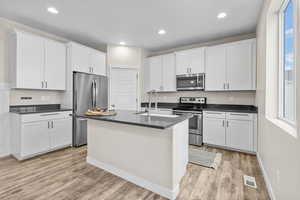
(281, 53)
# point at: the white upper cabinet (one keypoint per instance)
(55, 61)
(28, 60)
(168, 73)
(240, 66)
(36, 62)
(79, 57)
(162, 75)
(155, 72)
(98, 62)
(215, 68)
(85, 59)
(231, 66)
(190, 61)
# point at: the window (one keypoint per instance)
(287, 81)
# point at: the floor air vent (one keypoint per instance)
(250, 181)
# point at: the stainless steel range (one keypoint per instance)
(194, 106)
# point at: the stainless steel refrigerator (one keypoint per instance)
(89, 91)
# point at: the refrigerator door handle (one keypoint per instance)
(95, 93)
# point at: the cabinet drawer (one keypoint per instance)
(214, 114)
(239, 116)
(45, 116)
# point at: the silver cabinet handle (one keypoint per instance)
(227, 123)
(48, 125)
(46, 84)
(228, 86)
(223, 123)
(42, 84)
(224, 86)
(52, 124)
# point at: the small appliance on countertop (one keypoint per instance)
(194, 106)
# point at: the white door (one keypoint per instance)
(30, 61)
(182, 62)
(196, 59)
(239, 134)
(214, 131)
(124, 88)
(155, 68)
(168, 73)
(61, 133)
(98, 62)
(80, 56)
(55, 65)
(215, 68)
(239, 66)
(34, 138)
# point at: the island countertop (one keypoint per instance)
(131, 117)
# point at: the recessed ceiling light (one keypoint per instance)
(222, 15)
(162, 32)
(122, 43)
(52, 10)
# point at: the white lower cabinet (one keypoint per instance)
(34, 138)
(34, 134)
(216, 130)
(233, 130)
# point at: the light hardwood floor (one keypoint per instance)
(64, 175)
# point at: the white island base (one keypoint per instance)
(155, 159)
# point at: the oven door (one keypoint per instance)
(195, 122)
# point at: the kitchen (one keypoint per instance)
(91, 113)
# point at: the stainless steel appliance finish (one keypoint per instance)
(89, 91)
(190, 82)
(193, 105)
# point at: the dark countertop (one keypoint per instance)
(33, 109)
(211, 107)
(131, 117)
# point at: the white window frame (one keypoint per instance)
(281, 61)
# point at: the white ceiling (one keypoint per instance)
(97, 22)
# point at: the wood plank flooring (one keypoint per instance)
(65, 175)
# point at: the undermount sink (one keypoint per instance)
(159, 115)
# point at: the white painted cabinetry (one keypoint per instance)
(231, 66)
(85, 59)
(36, 62)
(34, 134)
(161, 72)
(232, 130)
(190, 61)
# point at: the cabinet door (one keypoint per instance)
(196, 59)
(98, 62)
(182, 62)
(60, 133)
(34, 138)
(215, 68)
(80, 56)
(155, 68)
(239, 134)
(30, 61)
(55, 65)
(168, 73)
(214, 131)
(240, 66)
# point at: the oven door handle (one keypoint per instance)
(183, 112)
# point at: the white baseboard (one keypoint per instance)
(165, 192)
(266, 178)
(2, 155)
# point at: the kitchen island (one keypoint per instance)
(148, 150)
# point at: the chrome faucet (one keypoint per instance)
(150, 100)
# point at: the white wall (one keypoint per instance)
(279, 151)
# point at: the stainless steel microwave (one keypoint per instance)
(190, 82)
